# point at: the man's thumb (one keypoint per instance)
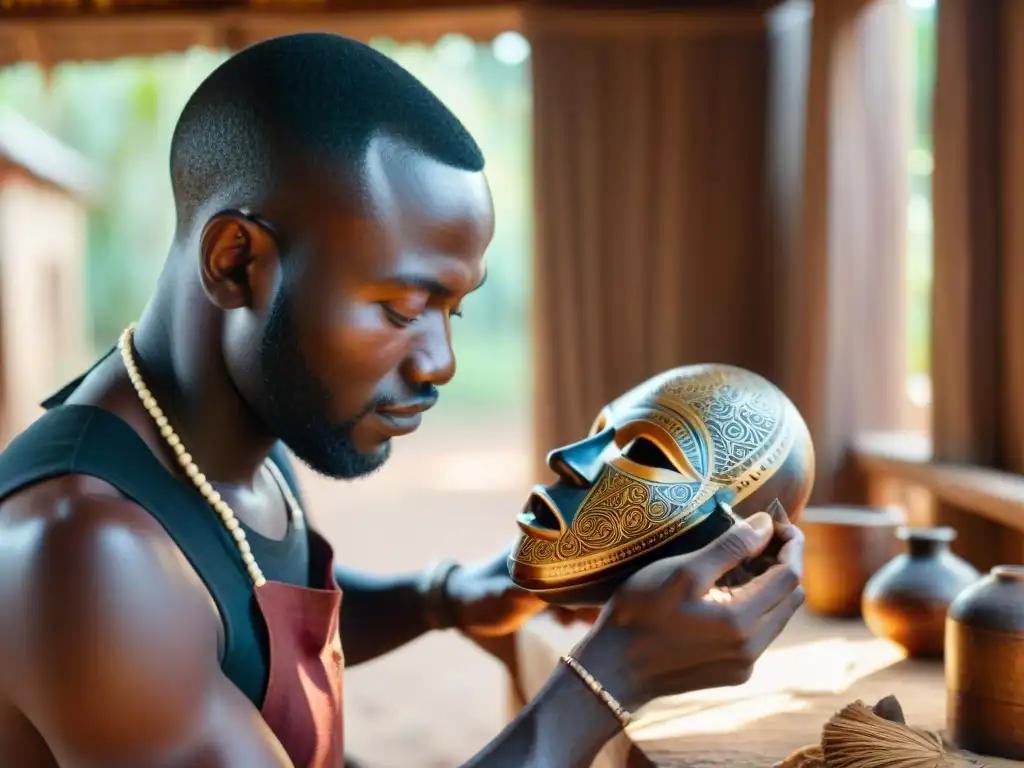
(742, 542)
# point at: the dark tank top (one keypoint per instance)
(282, 642)
(86, 440)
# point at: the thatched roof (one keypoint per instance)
(29, 148)
(51, 31)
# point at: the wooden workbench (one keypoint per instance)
(814, 669)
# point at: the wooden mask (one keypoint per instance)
(666, 468)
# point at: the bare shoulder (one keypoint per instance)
(106, 634)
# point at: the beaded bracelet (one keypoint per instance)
(623, 716)
(440, 612)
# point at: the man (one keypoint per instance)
(162, 601)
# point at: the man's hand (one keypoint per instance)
(659, 635)
(783, 532)
(488, 604)
(666, 631)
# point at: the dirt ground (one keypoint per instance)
(451, 489)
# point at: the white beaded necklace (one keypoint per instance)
(207, 491)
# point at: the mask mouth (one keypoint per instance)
(550, 510)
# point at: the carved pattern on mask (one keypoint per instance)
(731, 426)
(618, 520)
(741, 419)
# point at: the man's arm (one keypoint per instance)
(565, 726)
(380, 613)
(108, 642)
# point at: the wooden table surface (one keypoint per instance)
(814, 669)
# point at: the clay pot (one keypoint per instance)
(844, 547)
(985, 665)
(907, 600)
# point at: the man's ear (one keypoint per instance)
(238, 260)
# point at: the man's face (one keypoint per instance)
(357, 336)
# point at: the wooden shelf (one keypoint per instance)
(994, 495)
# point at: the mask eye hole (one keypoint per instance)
(645, 443)
(644, 452)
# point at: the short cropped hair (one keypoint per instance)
(320, 95)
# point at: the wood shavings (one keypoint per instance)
(859, 736)
(856, 737)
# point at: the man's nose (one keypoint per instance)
(432, 359)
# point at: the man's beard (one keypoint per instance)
(298, 405)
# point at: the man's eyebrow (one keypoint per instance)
(428, 284)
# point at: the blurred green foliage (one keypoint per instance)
(919, 167)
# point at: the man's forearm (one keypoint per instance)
(379, 613)
(565, 726)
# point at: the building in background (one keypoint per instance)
(44, 191)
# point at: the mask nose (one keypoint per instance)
(580, 463)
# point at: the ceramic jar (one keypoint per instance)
(907, 599)
(843, 548)
(985, 665)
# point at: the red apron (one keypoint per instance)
(303, 703)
